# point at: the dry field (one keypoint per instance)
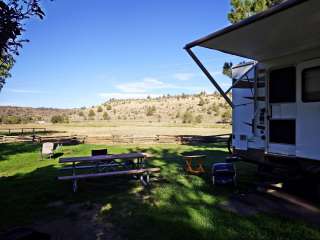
(123, 128)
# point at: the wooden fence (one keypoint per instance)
(179, 139)
(22, 131)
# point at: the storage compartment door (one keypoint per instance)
(282, 111)
(308, 121)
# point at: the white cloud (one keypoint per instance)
(13, 90)
(126, 95)
(183, 76)
(147, 84)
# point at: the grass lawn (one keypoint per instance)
(176, 206)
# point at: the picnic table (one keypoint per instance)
(107, 165)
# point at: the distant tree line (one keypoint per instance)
(11, 119)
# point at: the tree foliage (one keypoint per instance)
(226, 70)
(59, 119)
(241, 9)
(12, 15)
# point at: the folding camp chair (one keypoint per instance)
(47, 149)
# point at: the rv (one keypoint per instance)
(276, 95)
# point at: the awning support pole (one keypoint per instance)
(209, 76)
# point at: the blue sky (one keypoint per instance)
(85, 52)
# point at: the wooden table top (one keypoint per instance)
(193, 156)
(103, 157)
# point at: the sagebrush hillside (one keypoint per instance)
(182, 109)
(14, 115)
(199, 108)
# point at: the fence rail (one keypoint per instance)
(21, 131)
(180, 139)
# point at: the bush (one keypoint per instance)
(91, 113)
(106, 116)
(10, 119)
(150, 110)
(81, 114)
(59, 119)
(201, 102)
(226, 116)
(109, 107)
(187, 117)
(198, 119)
(99, 109)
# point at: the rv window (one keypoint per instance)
(282, 85)
(311, 85)
(282, 131)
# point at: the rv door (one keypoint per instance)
(308, 119)
(282, 111)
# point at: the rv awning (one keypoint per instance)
(287, 28)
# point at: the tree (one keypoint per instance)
(106, 116)
(242, 9)
(12, 15)
(99, 109)
(227, 69)
(59, 119)
(109, 107)
(187, 117)
(5, 70)
(91, 113)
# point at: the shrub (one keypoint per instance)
(99, 109)
(108, 107)
(198, 119)
(59, 119)
(201, 102)
(10, 119)
(150, 110)
(81, 114)
(91, 113)
(187, 117)
(215, 107)
(226, 116)
(106, 116)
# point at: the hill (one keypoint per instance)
(16, 115)
(179, 109)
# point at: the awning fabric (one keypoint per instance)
(288, 28)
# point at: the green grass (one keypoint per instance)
(176, 206)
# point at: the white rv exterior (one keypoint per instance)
(276, 98)
(280, 127)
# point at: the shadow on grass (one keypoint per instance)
(175, 206)
(7, 149)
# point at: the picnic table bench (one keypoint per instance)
(107, 165)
